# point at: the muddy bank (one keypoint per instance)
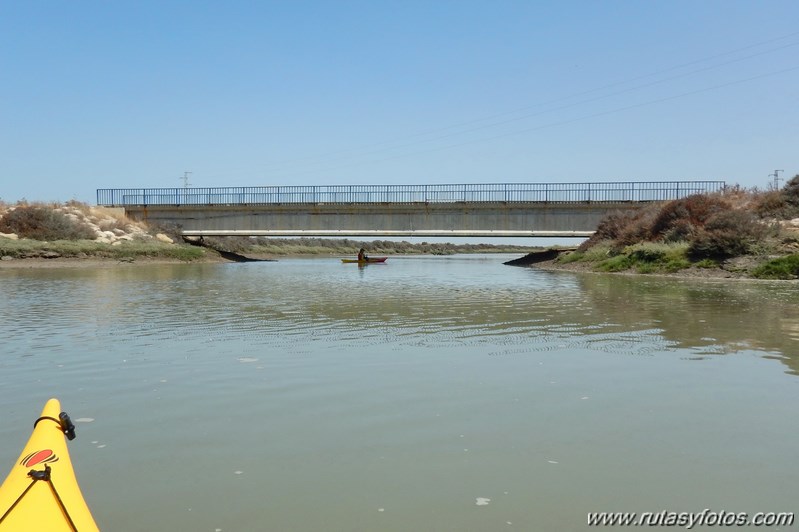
(539, 257)
(732, 269)
(100, 262)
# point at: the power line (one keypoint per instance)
(563, 122)
(374, 148)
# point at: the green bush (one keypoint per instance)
(786, 267)
(567, 258)
(676, 264)
(653, 257)
(647, 254)
(726, 234)
(790, 192)
(619, 263)
(41, 223)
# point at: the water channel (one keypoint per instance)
(429, 393)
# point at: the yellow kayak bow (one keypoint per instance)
(41, 491)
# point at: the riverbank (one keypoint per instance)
(35, 254)
(733, 271)
(732, 234)
(44, 235)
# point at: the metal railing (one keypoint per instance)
(632, 191)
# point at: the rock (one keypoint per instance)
(50, 254)
(163, 238)
(6, 257)
(10, 236)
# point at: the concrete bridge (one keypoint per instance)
(469, 210)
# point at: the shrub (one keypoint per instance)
(726, 234)
(790, 191)
(609, 228)
(786, 267)
(680, 230)
(771, 203)
(790, 196)
(638, 230)
(43, 223)
(622, 228)
(678, 218)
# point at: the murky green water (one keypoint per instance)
(309, 395)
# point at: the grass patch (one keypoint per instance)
(786, 267)
(619, 263)
(706, 264)
(26, 248)
(647, 257)
(597, 253)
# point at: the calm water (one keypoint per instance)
(308, 395)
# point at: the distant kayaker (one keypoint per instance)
(362, 255)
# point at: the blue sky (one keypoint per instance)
(133, 94)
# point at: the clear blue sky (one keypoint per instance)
(132, 94)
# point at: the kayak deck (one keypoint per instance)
(41, 491)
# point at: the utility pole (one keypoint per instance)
(186, 184)
(776, 176)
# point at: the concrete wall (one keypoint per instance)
(498, 219)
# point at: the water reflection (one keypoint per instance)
(436, 301)
(710, 317)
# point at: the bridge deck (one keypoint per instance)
(497, 210)
(632, 191)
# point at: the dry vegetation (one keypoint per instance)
(77, 230)
(741, 232)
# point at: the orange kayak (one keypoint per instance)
(370, 260)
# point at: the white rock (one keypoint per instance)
(163, 238)
(10, 236)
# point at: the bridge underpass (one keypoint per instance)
(377, 211)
